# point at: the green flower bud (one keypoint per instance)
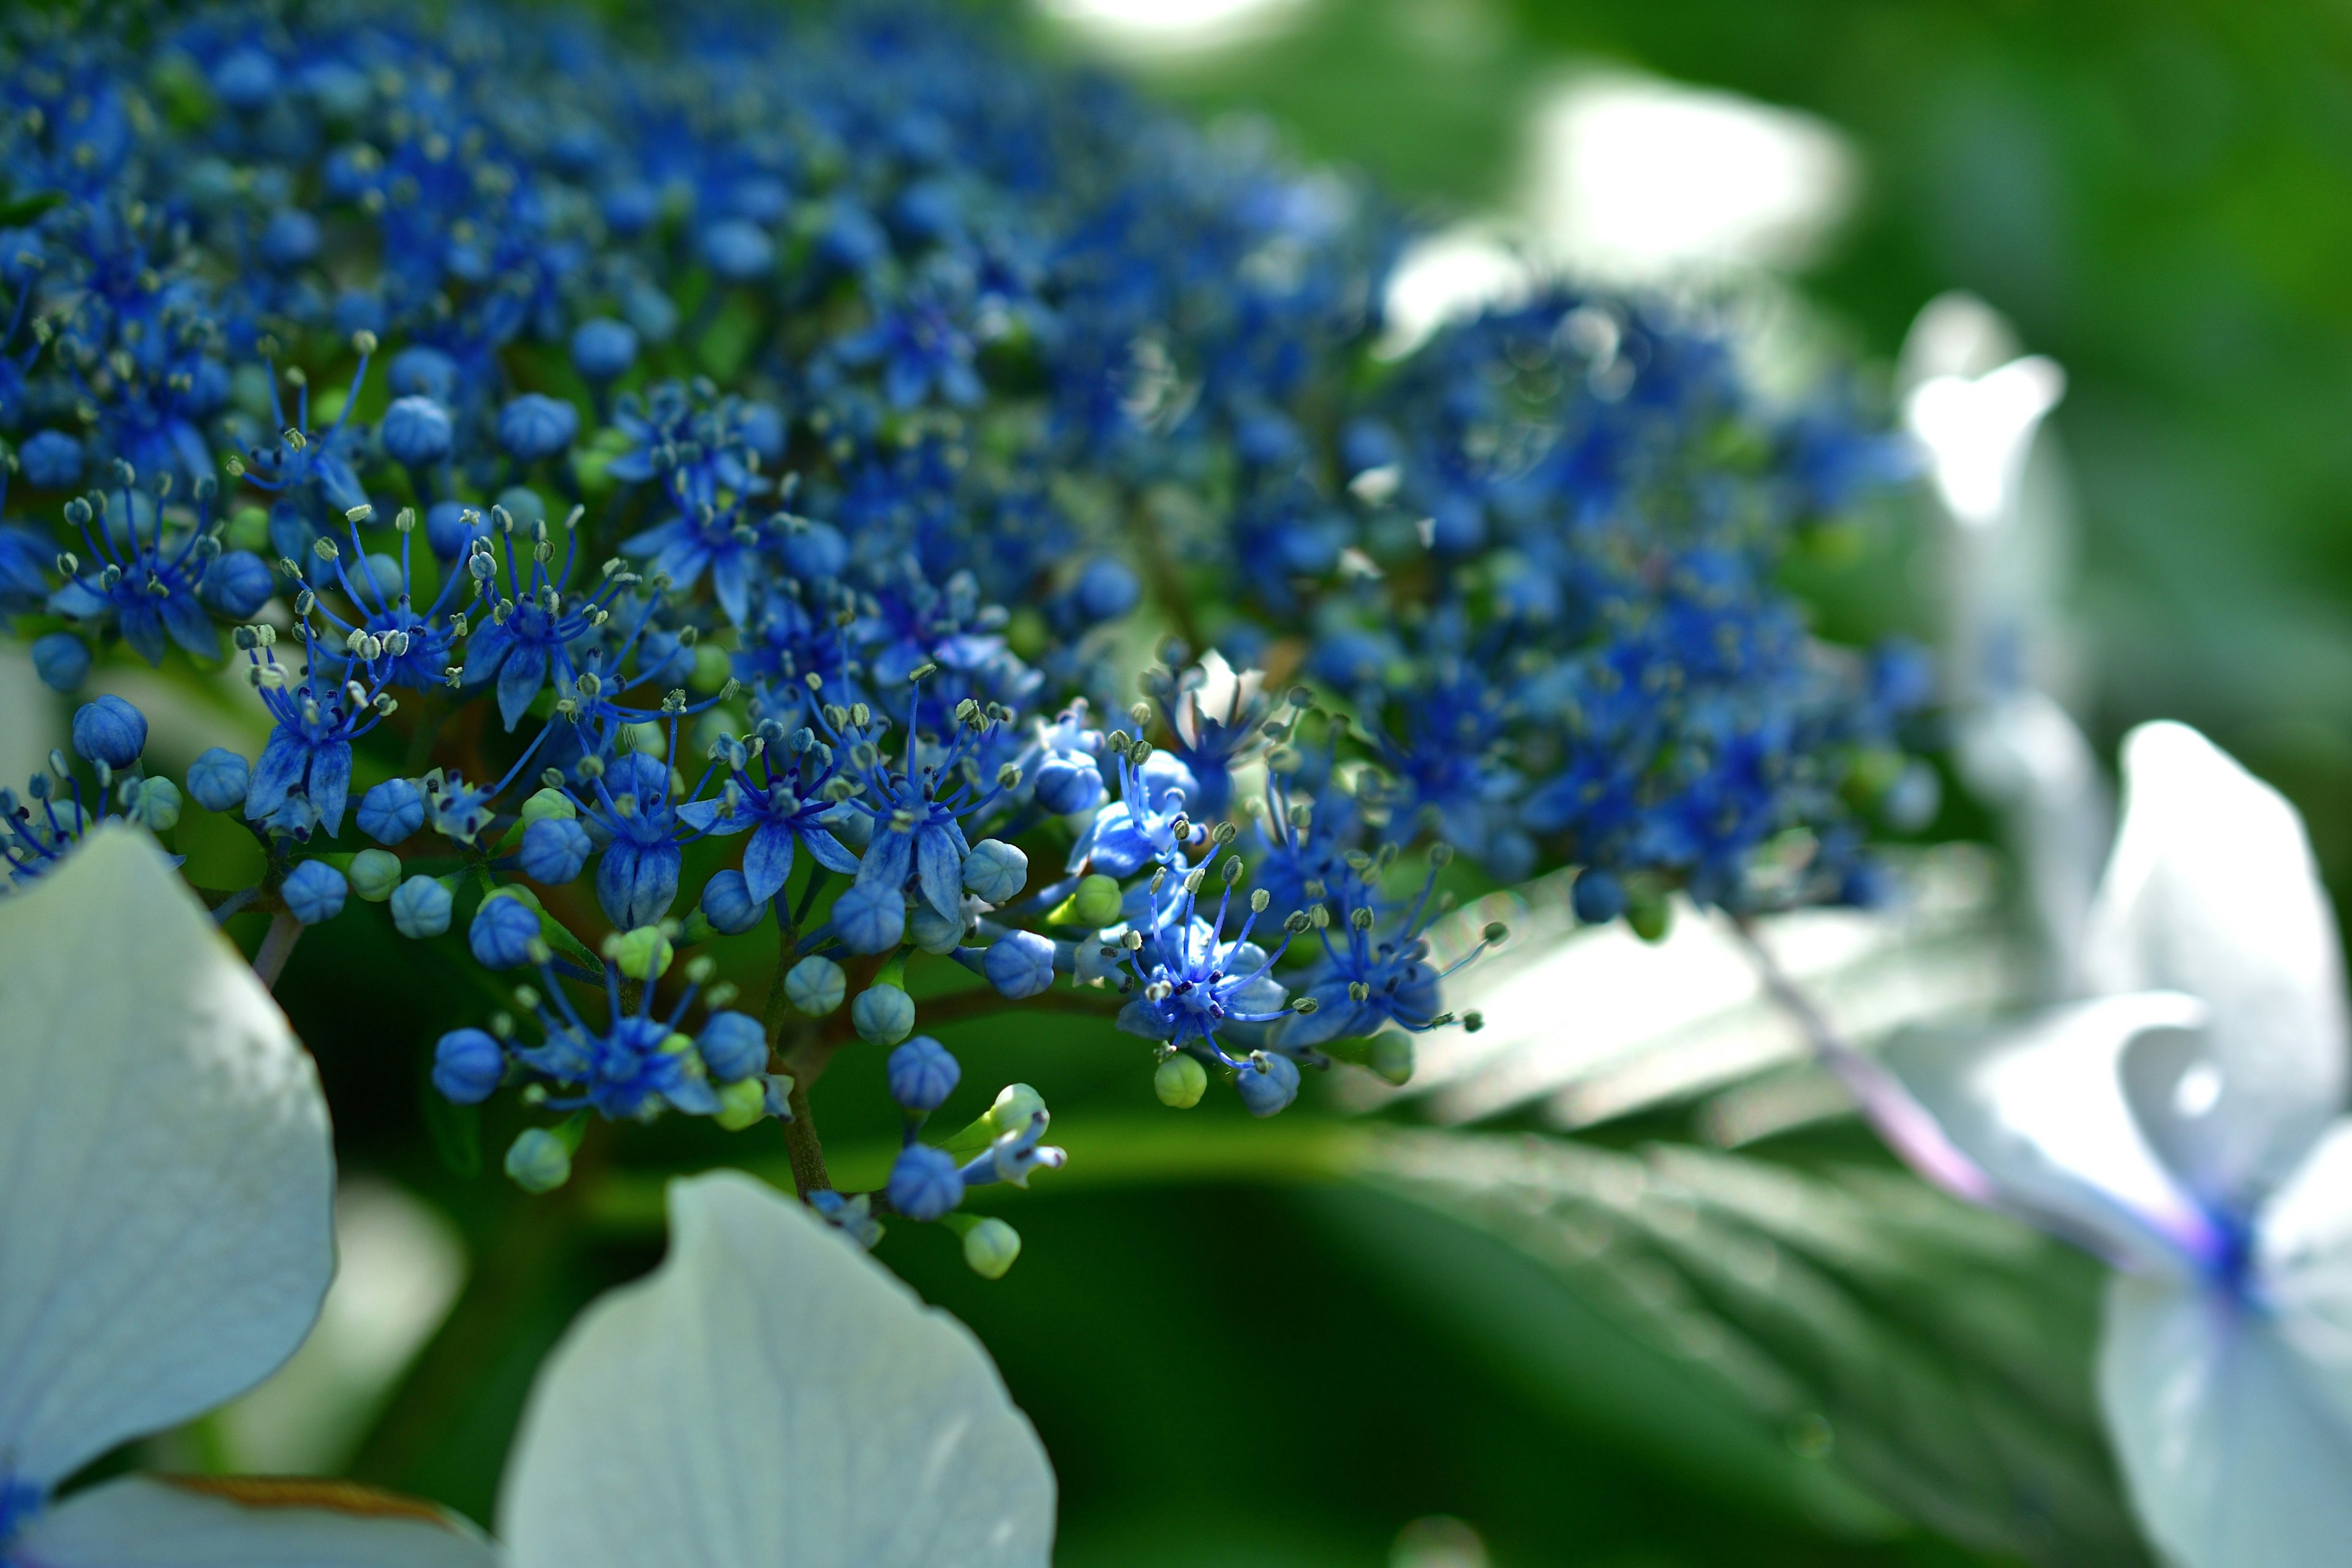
(1096, 901)
(990, 1247)
(1181, 1081)
(816, 985)
(742, 1105)
(641, 955)
(545, 804)
(1392, 1055)
(1015, 1104)
(374, 874)
(154, 804)
(884, 1014)
(932, 931)
(538, 1161)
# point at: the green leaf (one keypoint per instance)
(455, 1132)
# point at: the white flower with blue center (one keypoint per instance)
(2183, 1118)
(770, 1394)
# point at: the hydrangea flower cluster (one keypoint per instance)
(972, 494)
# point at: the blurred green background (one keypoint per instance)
(1331, 1342)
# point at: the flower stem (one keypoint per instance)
(276, 947)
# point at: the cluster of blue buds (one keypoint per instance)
(831, 451)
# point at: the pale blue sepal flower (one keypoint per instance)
(2183, 1120)
(877, 1432)
(140, 1522)
(166, 1236)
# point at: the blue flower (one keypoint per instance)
(110, 731)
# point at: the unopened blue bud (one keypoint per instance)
(154, 804)
(448, 526)
(374, 873)
(503, 933)
(603, 349)
(1597, 897)
(870, 917)
(538, 1161)
(237, 585)
(996, 872)
(1107, 589)
(62, 662)
(733, 1045)
(925, 1182)
(314, 892)
(932, 931)
(417, 432)
(554, 850)
(816, 552)
(884, 1014)
(392, 811)
(217, 780)
(420, 907)
(536, 425)
(990, 1248)
(1066, 783)
(1267, 1083)
(923, 1073)
(51, 460)
(1020, 964)
(738, 250)
(110, 731)
(467, 1065)
(816, 985)
(727, 903)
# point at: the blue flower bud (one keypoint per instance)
(1267, 1083)
(870, 917)
(503, 933)
(996, 872)
(932, 931)
(1181, 1081)
(1020, 964)
(554, 850)
(289, 238)
(448, 530)
(538, 1162)
(1066, 783)
(1597, 897)
(51, 460)
(420, 908)
(816, 552)
(237, 585)
(536, 425)
(761, 427)
(733, 1045)
(1107, 589)
(637, 883)
(922, 1074)
(110, 731)
(467, 1065)
(314, 892)
(738, 250)
(603, 349)
(374, 873)
(392, 811)
(884, 1014)
(417, 432)
(816, 985)
(925, 1182)
(424, 372)
(727, 903)
(62, 662)
(217, 780)
(990, 1247)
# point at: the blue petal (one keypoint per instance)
(768, 862)
(330, 782)
(190, 627)
(828, 850)
(886, 860)
(485, 650)
(283, 763)
(519, 679)
(940, 869)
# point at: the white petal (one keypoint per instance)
(771, 1395)
(2025, 752)
(2228, 1459)
(2040, 1108)
(2302, 1265)
(136, 1522)
(165, 1176)
(2212, 891)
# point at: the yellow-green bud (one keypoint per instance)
(545, 804)
(374, 874)
(1392, 1055)
(711, 668)
(1096, 901)
(641, 955)
(1181, 1081)
(990, 1247)
(538, 1161)
(676, 1043)
(1015, 1104)
(742, 1105)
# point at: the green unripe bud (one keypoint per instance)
(1650, 918)
(374, 874)
(990, 1247)
(249, 530)
(538, 1161)
(884, 1014)
(154, 804)
(1181, 1081)
(711, 670)
(546, 803)
(742, 1105)
(1096, 901)
(1015, 1104)
(816, 985)
(1392, 1055)
(641, 955)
